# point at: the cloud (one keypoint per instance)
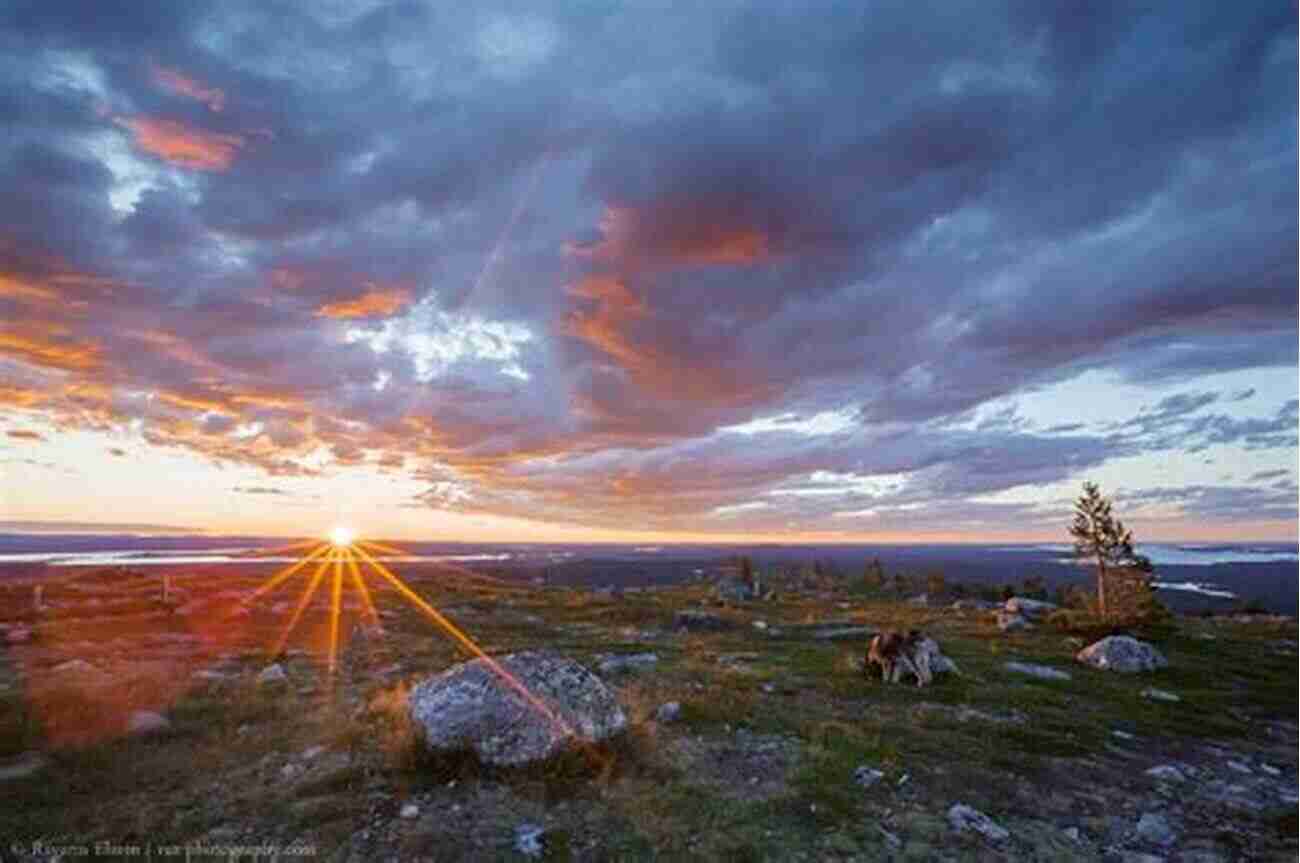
(376, 302)
(23, 434)
(181, 84)
(260, 489)
(562, 254)
(182, 145)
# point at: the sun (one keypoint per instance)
(341, 537)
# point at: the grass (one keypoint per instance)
(760, 765)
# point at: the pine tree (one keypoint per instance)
(1099, 536)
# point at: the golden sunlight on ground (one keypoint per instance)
(216, 621)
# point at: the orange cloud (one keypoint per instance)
(16, 289)
(182, 145)
(623, 327)
(632, 239)
(41, 349)
(183, 85)
(23, 434)
(375, 303)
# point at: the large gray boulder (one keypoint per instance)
(477, 707)
(1122, 653)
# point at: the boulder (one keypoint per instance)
(1010, 622)
(1042, 672)
(22, 766)
(669, 711)
(963, 817)
(1122, 653)
(1154, 828)
(939, 664)
(479, 706)
(273, 673)
(1160, 695)
(147, 722)
(1032, 609)
(1166, 773)
(867, 776)
(530, 840)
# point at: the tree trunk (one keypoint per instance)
(1101, 586)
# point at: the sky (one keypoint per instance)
(595, 271)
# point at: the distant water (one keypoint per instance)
(1163, 554)
(1187, 554)
(167, 557)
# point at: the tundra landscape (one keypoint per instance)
(747, 727)
(603, 430)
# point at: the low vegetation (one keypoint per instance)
(761, 764)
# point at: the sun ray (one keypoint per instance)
(468, 643)
(360, 584)
(336, 597)
(283, 575)
(302, 605)
(380, 547)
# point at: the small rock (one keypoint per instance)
(1154, 828)
(760, 624)
(74, 666)
(22, 766)
(1270, 769)
(963, 817)
(1122, 735)
(1032, 609)
(669, 711)
(409, 811)
(529, 840)
(866, 776)
(972, 605)
(1160, 695)
(1072, 833)
(312, 753)
(273, 673)
(147, 722)
(1008, 622)
(18, 635)
(700, 621)
(1140, 857)
(1122, 653)
(1239, 767)
(1042, 672)
(844, 633)
(210, 675)
(1166, 773)
(289, 771)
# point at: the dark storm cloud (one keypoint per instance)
(212, 212)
